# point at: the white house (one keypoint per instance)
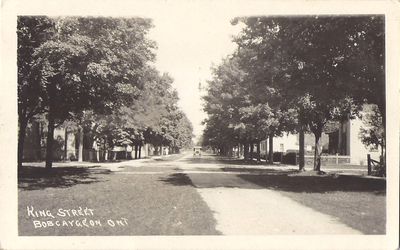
(341, 146)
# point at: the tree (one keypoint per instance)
(222, 103)
(32, 32)
(251, 111)
(91, 63)
(312, 61)
(152, 118)
(94, 73)
(183, 133)
(280, 116)
(164, 131)
(372, 133)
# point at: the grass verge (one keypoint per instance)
(364, 211)
(121, 203)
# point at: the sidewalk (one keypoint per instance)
(356, 170)
(265, 212)
(265, 200)
(242, 208)
(112, 166)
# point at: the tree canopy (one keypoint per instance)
(312, 70)
(97, 72)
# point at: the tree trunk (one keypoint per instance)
(105, 148)
(251, 151)
(317, 152)
(50, 140)
(140, 151)
(126, 152)
(258, 152)
(136, 151)
(98, 154)
(39, 133)
(246, 151)
(301, 149)
(66, 143)
(80, 146)
(383, 151)
(106, 154)
(271, 149)
(21, 140)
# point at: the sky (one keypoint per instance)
(190, 40)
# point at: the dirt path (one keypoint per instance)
(242, 208)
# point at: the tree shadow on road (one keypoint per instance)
(36, 178)
(235, 161)
(222, 160)
(318, 184)
(178, 179)
(268, 171)
(200, 160)
(280, 180)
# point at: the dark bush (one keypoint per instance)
(290, 158)
(277, 156)
(254, 155)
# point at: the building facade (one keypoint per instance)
(342, 146)
(66, 146)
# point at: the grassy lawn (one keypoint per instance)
(168, 158)
(154, 199)
(135, 204)
(356, 201)
(363, 211)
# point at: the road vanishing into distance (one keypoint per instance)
(176, 195)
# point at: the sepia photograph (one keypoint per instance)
(194, 121)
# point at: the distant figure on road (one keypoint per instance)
(197, 151)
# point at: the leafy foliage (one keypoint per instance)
(372, 133)
(310, 70)
(96, 72)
